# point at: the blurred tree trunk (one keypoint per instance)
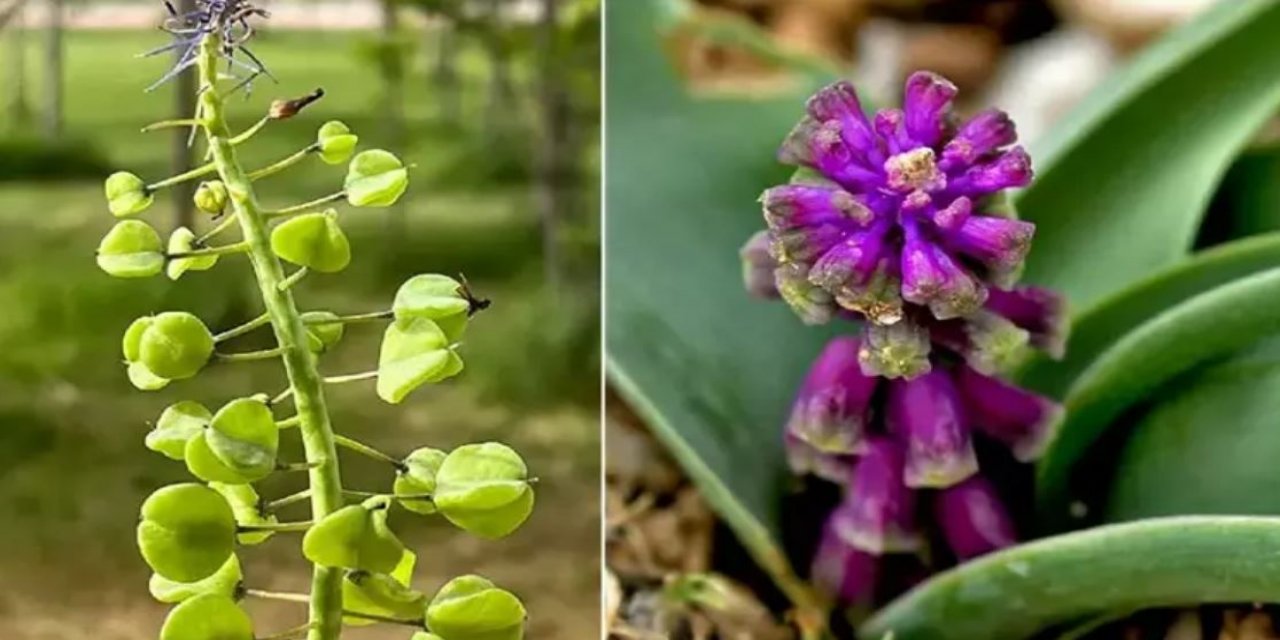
(445, 70)
(184, 106)
(392, 66)
(550, 185)
(54, 81)
(18, 112)
(502, 93)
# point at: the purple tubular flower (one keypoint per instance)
(804, 459)
(898, 213)
(878, 513)
(1038, 311)
(758, 267)
(842, 570)
(988, 342)
(973, 519)
(926, 415)
(1022, 420)
(830, 412)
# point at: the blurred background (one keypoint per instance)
(496, 102)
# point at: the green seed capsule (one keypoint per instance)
(376, 179)
(176, 345)
(203, 464)
(484, 489)
(207, 617)
(223, 582)
(336, 141)
(245, 438)
(142, 378)
(177, 425)
(127, 195)
(419, 478)
(211, 197)
(313, 240)
(472, 608)
(132, 249)
(246, 505)
(184, 241)
(187, 532)
(414, 352)
(430, 296)
(425, 635)
(354, 537)
(324, 330)
(386, 595)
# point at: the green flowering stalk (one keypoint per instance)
(189, 533)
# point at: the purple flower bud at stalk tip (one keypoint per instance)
(804, 459)
(894, 216)
(830, 411)
(895, 351)
(926, 416)
(843, 571)
(974, 521)
(1020, 419)
(878, 512)
(1038, 311)
(758, 266)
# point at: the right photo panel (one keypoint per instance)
(942, 319)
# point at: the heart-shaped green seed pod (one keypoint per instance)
(207, 617)
(430, 296)
(175, 346)
(425, 635)
(244, 437)
(355, 537)
(484, 489)
(414, 352)
(187, 532)
(132, 249)
(184, 241)
(324, 330)
(386, 595)
(143, 379)
(376, 178)
(127, 195)
(419, 478)
(139, 375)
(472, 608)
(211, 197)
(313, 240)
(223, 582)
(204, 464)
(336, 142)
(247, 507)
(178, 424)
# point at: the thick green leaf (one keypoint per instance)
(1185, 458)
(1216, 323)
(1151, 146)
(1012, 594)
(1098, 328)
(708, 368)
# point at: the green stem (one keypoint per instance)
(229, 222)
(366, 450)
(294, 278)
(171, 124)
(260, 321)
(278, 504)
(272, 169)
(250, 356)
(418, 623)
(198, 172)
(276, 527)
(289, 423)
(239, 247)
(360, 317)
(303, 598)
(290, 634)
(304, 207)
(351, 377)
(298, 466)
(277, 595)
(300, 364)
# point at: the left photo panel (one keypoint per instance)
(301, 329)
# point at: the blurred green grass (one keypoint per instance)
(73, 469)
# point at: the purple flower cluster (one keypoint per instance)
(229, 20)
(896, 222)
